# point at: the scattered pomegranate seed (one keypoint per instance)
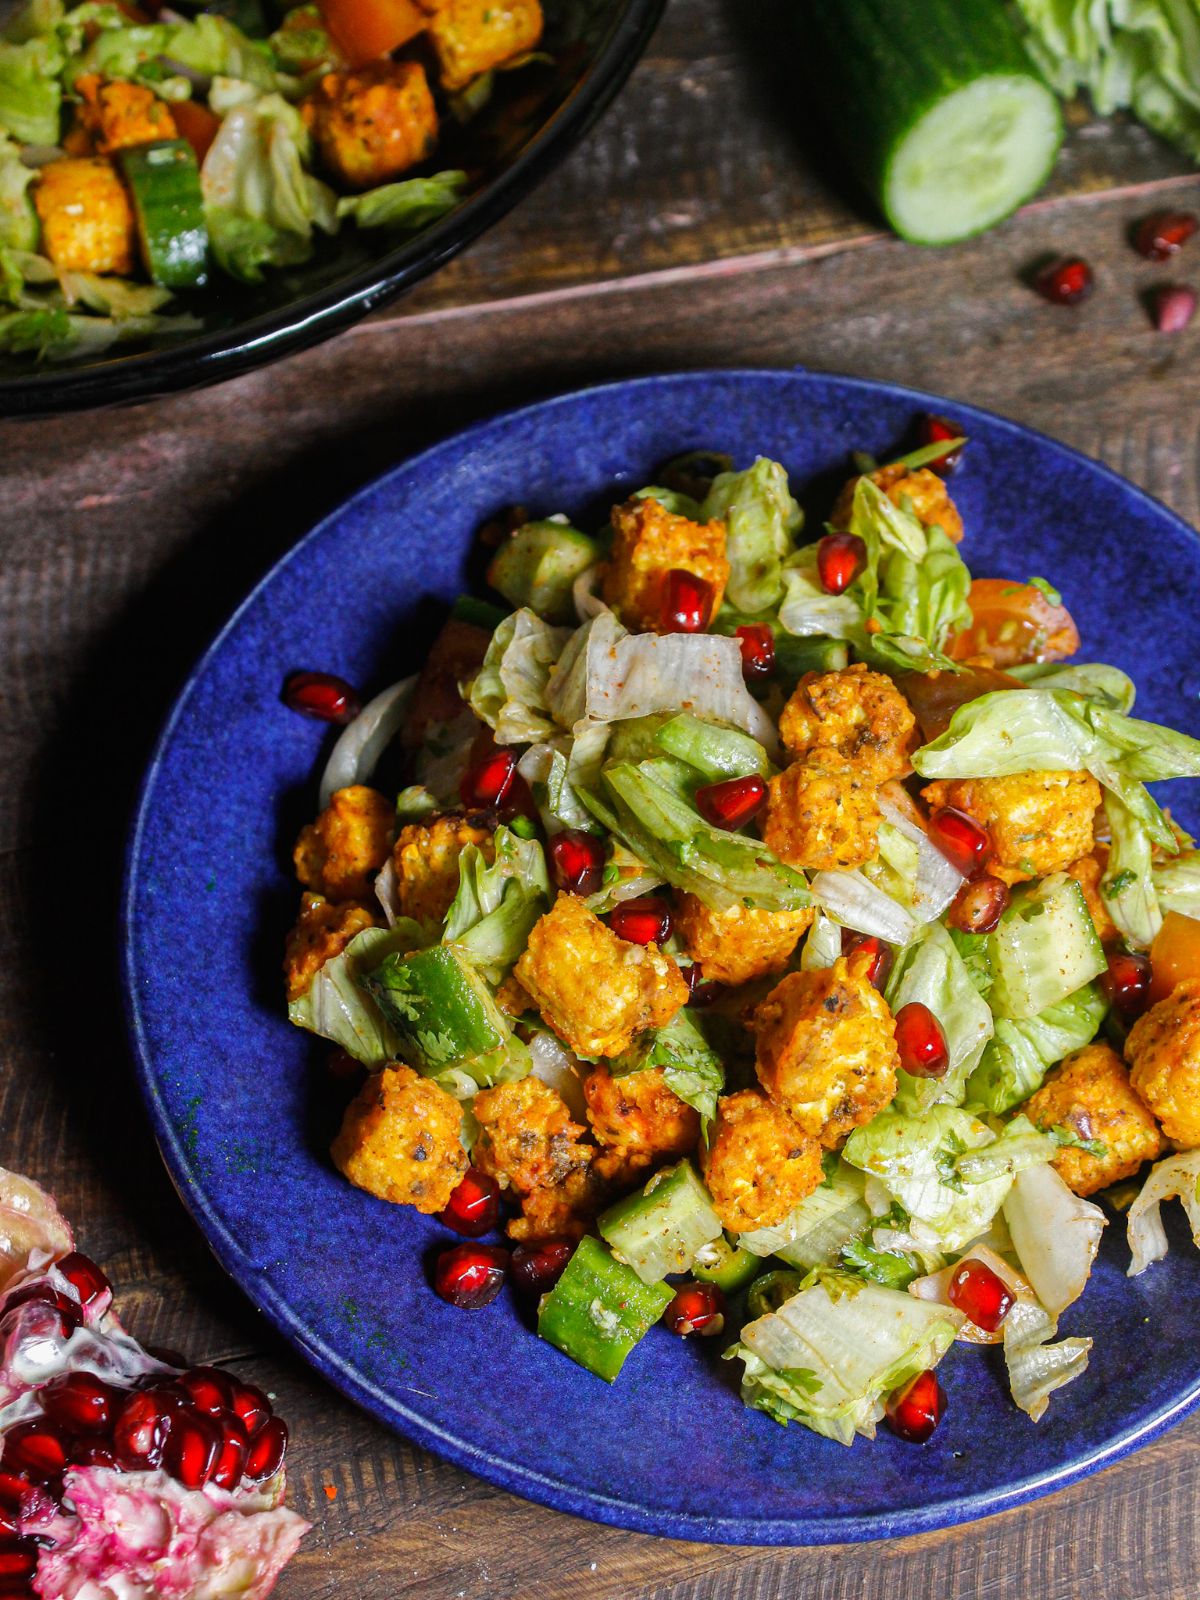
(88, 1281)
(1065, 282)
(881, 953)
(964, 843)
(978, 906)
(980, 1294)
(646, 920)
(36, 1449)
(193, 1449)
(486, 784)
(733, 802)
(536, 1268)
(78, 1401)
(1126, 984)
(474, 1207)
(470, 1275)
(577, 861)
(231, 1460)
(1174, 307)
(921, 1041)
(250, 1406)
(210, 1388)
(140, 1430)
(933, 430)
(1163, 233)
(322, 696)
(686, 602)
(267, 1450)
(915, 1410)
(840, 559)
(702, 991)
(757, 640)
(696, 1308)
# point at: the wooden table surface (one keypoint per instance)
(698, 226)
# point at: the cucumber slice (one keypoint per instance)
(1044, 949)
(660, 1230)
(938, 109)
(538, 566)
(440, 1007)
(164, 184)
(599, 1309)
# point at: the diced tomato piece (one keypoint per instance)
(197, 124)
(365, 30)
(1014, 622)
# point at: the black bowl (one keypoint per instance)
(533, 119)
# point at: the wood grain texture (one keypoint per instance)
(128, 536)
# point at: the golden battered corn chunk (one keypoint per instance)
(826, 1049)
(649, 542)
(739, 944)
(597, 992)
(426, 862)
(400, 1140)
(637, 1113)
(1087, 872)
(322, 932)
(924, 491)
(1090, 1094)
(859, 713)
(339, 854)
(562, 1210)
(372, 123)
(1163, 1051)
(526, 1137)
(473, 36)
(822, 813)
(758, 1163)
(86, 217)
(1040, 822)
(114, 115)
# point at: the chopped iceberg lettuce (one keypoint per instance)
(931, 971)
(761, 521)
(1128, 883)
(411, 203)
(496, 906)
(1036, 1368)
(337, 1007)
(1176, 1178)
(1020, 1053)
(509, 692)
(691, 1068)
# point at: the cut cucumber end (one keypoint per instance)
(972, 159)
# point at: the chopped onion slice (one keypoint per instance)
(1176, 1178)
(1056, 1235)
(855, 902)
(1035, 1366)
(938, 881)
(355, 756)
(555, 1065)
(583, 593)
(937, 1287)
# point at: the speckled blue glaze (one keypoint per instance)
(242, 1105)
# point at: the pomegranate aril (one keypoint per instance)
(965, 843)
(470, 1275)
(485, 784)
(211, 1390)
(921, 1041)
(702, 991)
(686, 602)
(646, 920)
(1163, 233)
(733, 802)
(13, 1487)
(231, 1460)
(757, 640)
(19, 1563)
(36, 1449)
(536, 1268)
(915, 1410)
(881, 954)
(140, 1431)
(251, 1407)
(935, 430)
(79, 1401)
(840, 559)
(267, 1450)
(577, 861)
(96, 1455)
(1174, 307)
(978, 906)
(1065, 282)
(44, 1293)
(92, 1288)
(980, 1294)
(192, 1450)
(1126, 983)
(696, 1308)
(322, 696)
(474, 1207)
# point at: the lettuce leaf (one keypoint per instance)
(1036, 1368)
(814, 1232)
(497, 904)
(413, 203)
(18, 220)
(761, 520)
(932, 971)
(1176, 1178)
(208, 44)
(1016, 1060)
(1128, 882)
(1177, 884)
(1094, 680)
(691, 1068)
(509, 692)
(53, 334)
(30, 96)
(925, 599)
(337, 1007)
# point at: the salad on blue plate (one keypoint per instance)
(772, 932)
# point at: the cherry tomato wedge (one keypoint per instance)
(195, 123)
(364, 30)
(1014, 622)
(1174, 955)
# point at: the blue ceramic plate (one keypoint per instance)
(243, 1106)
